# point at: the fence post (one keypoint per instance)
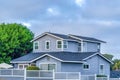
(95, 77)
(11, 72)
(25, 74)
(53, 74)
(79, 76)
(108, 77)
(66, 75)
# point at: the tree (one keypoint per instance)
(14, 41)
(108, 56)
(116, 64)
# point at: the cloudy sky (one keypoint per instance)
(94, 18)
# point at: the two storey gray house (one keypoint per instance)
(66, 53)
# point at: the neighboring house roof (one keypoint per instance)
(115, 74)
(70, 37)
(76, 57)
(5, 66)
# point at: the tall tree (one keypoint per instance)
(108, 56)
(14, 41)
(116, 64)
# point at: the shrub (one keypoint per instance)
(101, 76)
(32, 68)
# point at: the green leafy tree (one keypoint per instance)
(14, 41)
(108, 56)
(116, 64)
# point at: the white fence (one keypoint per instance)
(114, 79)
(16, 74)
(88, 77)
(67, 76)
(10, 74)
(38, 74)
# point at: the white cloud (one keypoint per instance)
(26, 24)
(53, 11)
(80, 2)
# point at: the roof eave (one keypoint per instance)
(19, 62)
(49, 56)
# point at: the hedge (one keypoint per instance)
(32, 68)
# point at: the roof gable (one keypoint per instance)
(46, 33)
(100, 56)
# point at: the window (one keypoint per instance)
(101, 69)
(47, 66)
(59, 44)
(98, 45)
(20, 66)
(86, 66)
(23, 66)
(47, 45)
(79, 47)
(36, 45)
(65, 44)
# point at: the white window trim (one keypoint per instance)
(88, 67)
(98, 47)
(49, 63)
(100, 69)
(57, 44)
(34, 45)
(46, 45)
(86, 47)
(81, 45)
(22, 65)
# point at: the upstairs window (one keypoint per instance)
(79, 47)
(47, 45)
(36, 45)
(86, 66)
(98, 45)
(59, 44)
(65, 44)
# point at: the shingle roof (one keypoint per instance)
(88, 38)
(63, 36)
(65, 56)
(115, 74)
(71, 38)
